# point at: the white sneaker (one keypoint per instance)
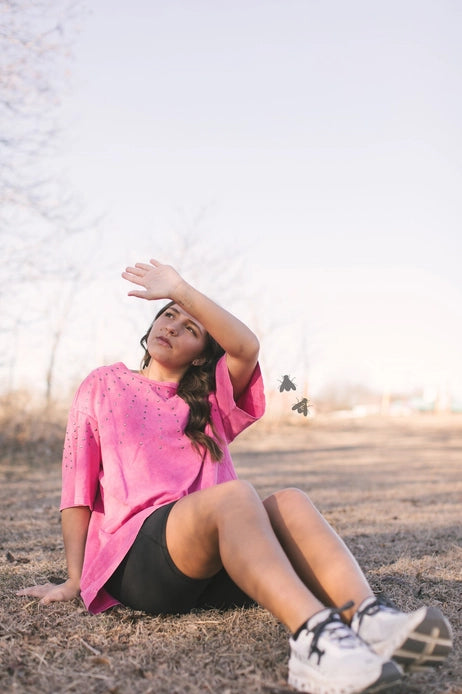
(417, 641)
(328, 658)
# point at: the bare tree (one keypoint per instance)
(34, 54)
(35, 206)
(38, 210)
(204, 257)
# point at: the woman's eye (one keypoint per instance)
(191, 330)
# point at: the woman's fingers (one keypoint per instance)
(135, 271)
(159, 280)
(140, 295)
(135, 279)
(38, 591)
(51, 592)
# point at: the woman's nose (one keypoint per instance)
(172, 330)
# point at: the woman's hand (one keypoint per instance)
(52, 592)
(159, 281)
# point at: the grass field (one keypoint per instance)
(391, 487)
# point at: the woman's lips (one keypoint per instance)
(163, 341)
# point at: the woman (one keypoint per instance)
(154, 517)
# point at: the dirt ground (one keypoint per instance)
(391, 487)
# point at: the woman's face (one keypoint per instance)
(176, 339)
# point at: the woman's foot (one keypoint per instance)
(328, 658)
(417, 641)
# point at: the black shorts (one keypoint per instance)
(148, 580)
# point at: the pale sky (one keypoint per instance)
(323, 141)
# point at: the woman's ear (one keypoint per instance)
(199, 362)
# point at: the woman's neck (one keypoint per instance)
(157, 372)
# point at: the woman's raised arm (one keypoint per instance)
(239, 342)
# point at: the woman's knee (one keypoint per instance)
(207, 506)
(239, 490)
(288, 502)
(288, 496)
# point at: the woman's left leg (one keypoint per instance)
(317, 553)
(416, 640)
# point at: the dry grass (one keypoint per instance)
(392, 488)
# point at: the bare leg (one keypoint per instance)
(318, 555)
(228, 526)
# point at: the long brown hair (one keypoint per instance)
(194, 388)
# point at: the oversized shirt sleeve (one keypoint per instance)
(81, 462)
(237, 416)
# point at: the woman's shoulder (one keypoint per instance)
(118, 368)
(103, 374)
(100, 382)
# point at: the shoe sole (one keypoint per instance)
(427, 645)
(390, 675)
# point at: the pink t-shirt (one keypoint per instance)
(125, 455)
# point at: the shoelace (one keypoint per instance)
(338, 630)
(372, 609)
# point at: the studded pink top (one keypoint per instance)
(125, 454)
